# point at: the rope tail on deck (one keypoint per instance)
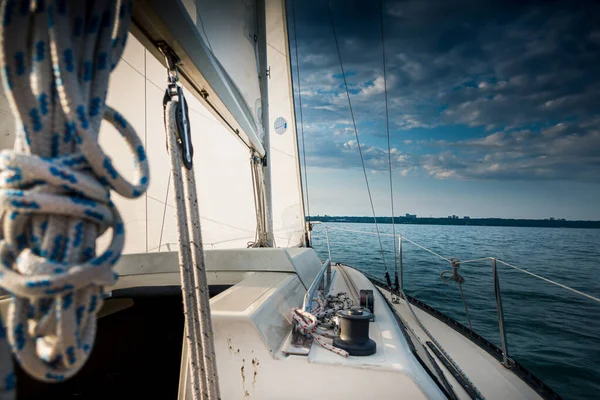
(56, 58)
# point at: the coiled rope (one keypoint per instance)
(55, 58)
(317, 322)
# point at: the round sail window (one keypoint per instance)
(280, 125)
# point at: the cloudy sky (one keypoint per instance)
(494, 106)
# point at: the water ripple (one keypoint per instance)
(553, 332)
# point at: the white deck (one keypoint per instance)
(490, 377)
(252, 323)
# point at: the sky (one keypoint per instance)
(494, 106)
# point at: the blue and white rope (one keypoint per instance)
(56, 57)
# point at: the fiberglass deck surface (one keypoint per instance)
(490, 377)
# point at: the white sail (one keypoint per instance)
(221, 161)
(228, 28)
(288, 213)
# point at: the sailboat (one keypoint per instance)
(284, 324)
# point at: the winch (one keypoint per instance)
(354, 332)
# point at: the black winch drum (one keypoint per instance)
(354, 332)
(367, 300)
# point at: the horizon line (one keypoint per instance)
(466, 217)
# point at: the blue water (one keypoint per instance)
(551, 331)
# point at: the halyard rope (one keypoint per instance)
(55, 58)
(194, 285)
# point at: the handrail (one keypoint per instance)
(498, 296)
(315, 285)
(506, 360)
(404, 238)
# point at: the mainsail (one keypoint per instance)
(226, 198)
(229, 30)
(222, 162)
(288, 212)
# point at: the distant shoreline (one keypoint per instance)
(532, 223)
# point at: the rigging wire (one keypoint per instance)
(550, 281)
(301, 116)
(387, 126)
(259, 201)
(162, 225)
(362, 160)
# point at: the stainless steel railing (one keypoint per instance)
(496, 279)
(498, 296)
(321, 282)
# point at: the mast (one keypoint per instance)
(264, 98)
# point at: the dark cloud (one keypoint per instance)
(520, 77)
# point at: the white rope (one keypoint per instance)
(475, 260)
(318, 322)
(307, 324)
(550, 281)
(55, 58)
(357, 231)
(427, 250)
(194, 285)
(387, 234)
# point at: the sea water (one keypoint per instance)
(551, 331)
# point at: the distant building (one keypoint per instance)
(453, 216)
(466, 217)
(410, 216)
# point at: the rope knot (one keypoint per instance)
(306, 322)
(453, 275)
(55, 186)
(53, 209)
